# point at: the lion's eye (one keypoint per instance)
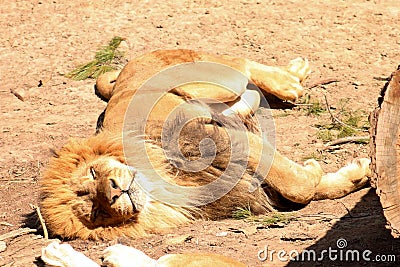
(93, 173)
(114, 184)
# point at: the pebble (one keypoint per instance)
(3, 246)
(221, 234)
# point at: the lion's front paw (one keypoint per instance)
(120, 256)
(63, 255)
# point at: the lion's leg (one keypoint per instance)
(293, 181)
(283, 82)
(344, 181)
(302, 184)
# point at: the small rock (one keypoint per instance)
(179, 240)
(250, 230)
(3, 246)
(221, 234)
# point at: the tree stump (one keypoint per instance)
(385, 150)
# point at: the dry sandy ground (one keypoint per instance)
(355, 42)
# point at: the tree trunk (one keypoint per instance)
(385, 150)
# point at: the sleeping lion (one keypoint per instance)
(179, 140)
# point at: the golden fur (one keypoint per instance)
(88, 191)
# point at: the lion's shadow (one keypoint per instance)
(31, 220)
(362, 229)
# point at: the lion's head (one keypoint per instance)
(110, 187)
(89, 192)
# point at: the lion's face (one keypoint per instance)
(110, 188)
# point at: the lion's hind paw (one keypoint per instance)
(300, 68)
(120, 256)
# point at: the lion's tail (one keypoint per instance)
(105, 84)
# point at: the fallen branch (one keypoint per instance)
(323, 82)
(15, 233)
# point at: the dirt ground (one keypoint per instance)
(356, 43)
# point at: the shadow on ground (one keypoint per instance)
(362, 230)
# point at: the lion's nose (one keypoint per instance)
(115, 191)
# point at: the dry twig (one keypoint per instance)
(317, 217)
(351, 214)
(15, 233)
(42, 222)
(348, 139)
(322, 82)
(15, 180)
(6, 224)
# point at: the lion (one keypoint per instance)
(123, 182)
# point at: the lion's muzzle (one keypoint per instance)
(132, 192)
